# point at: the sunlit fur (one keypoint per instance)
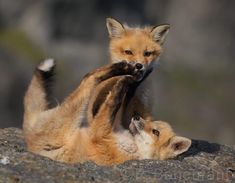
(142, 45)
(57, 133)
(138, 41)
(138, 45)
(165, 146)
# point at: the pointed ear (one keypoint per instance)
(115, 28)
(180, 145)
(159, 33)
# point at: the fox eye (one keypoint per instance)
(147, 53)
(156, 132)
(128, 52)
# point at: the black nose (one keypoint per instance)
(139, 66)
(137, 118)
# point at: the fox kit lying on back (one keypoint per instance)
(57, 133)
(141, 45)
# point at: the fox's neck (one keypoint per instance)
(126, 143)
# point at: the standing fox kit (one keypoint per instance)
(57, 132)
(138, 45)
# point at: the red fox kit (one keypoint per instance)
(57, 133)
(140, 45)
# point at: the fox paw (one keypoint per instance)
(125, 66)
(134, 69)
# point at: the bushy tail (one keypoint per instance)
(36, 97)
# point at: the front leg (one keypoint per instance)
(102, 123)
(103, 119)
(74, 107)
(136, 103)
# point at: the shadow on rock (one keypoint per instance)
(201, 146)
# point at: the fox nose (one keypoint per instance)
(139, 66)
(136, 117)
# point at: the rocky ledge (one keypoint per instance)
(204, 162)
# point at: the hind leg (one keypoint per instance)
(37, 126)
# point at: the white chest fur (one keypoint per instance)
(126, 142)
(144, 143)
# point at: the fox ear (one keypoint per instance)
(180, 145)
(114, 27)
(159, 33)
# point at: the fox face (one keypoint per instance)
(142, 45)
(156, 139)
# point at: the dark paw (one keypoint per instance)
(135, 69)
(124, 67)
(120, 65)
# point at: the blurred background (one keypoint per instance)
(194, 83)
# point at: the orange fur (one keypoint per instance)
(138, 45)
(137, 41)
(57, 133)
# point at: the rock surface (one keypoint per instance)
(204, 162)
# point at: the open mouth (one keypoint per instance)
(136, 125)
(132, 128)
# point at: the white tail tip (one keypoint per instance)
(46, 65)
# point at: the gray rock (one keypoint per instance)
(204, 162)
